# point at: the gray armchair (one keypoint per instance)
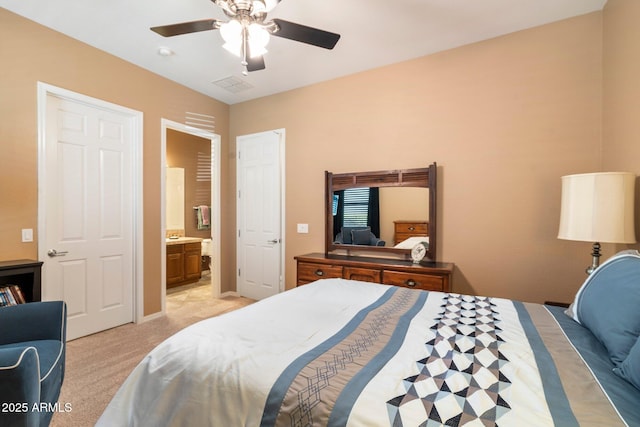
(32, 361)
(358, 236)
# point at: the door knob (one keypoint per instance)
(53, 253)
(274, 241)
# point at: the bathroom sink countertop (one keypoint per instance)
(183, 240)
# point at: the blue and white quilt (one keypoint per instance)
(339, 352)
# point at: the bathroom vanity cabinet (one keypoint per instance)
(183, 262)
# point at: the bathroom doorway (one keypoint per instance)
(202, 151)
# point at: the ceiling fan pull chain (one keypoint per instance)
(245, 42)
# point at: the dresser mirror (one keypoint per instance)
(381, 212)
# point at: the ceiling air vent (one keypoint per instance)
(233, 84)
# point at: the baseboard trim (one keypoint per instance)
(229, 294)
(152, 317)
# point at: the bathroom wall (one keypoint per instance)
(193, 154)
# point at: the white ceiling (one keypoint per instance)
(374, 33)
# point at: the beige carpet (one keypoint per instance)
(98, 364)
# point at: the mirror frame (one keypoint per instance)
(421, 177)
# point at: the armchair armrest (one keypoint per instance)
(33, 321)
(19, 368)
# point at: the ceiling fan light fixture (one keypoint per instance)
(263, 6)
(258, 38)
(248, 31)
(232, 33)
(233, 48)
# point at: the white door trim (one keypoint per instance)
(43, 91)
(281, 133)
(216, 147)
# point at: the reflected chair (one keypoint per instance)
(358, 236)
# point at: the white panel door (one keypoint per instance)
(259, 214)
(88, 214)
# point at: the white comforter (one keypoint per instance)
(220, 371)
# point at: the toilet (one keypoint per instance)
(207, 251)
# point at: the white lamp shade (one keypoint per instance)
(598, 207)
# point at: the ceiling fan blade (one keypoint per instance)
(185, 27)
(255, 64)
(304, 34)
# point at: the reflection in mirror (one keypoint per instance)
(403, 210)
(386, 211)
(386, 216)
(175, 199)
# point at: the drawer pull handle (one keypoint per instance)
(411, 228)
(319, 273)
(411, 283)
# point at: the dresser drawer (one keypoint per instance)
(309, 272)
(412, 228)
(425, 282)
(363, 274)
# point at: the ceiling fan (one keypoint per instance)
(247, 31)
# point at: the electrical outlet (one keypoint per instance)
(27, 235)
(303, 228)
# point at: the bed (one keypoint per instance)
(339, 352)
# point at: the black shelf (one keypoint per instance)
(25, 273)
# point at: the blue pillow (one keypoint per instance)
(630, 368)
(608, 304)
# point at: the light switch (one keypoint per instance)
(303, 228)
(27, 235)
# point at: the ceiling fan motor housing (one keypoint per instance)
(256, 8)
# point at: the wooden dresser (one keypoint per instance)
(430, 276)
(405, 229)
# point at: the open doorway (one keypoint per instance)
(208, 157)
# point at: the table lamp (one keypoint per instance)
(598, 207)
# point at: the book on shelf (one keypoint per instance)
(11, 295)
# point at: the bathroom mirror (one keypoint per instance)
(397, 206)
(175, 199)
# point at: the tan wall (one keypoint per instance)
(621, 118)
(33, 53)
(504, 119)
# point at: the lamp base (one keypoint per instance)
(595, 262)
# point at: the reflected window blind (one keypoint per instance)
(203, 178)
(356, 207)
